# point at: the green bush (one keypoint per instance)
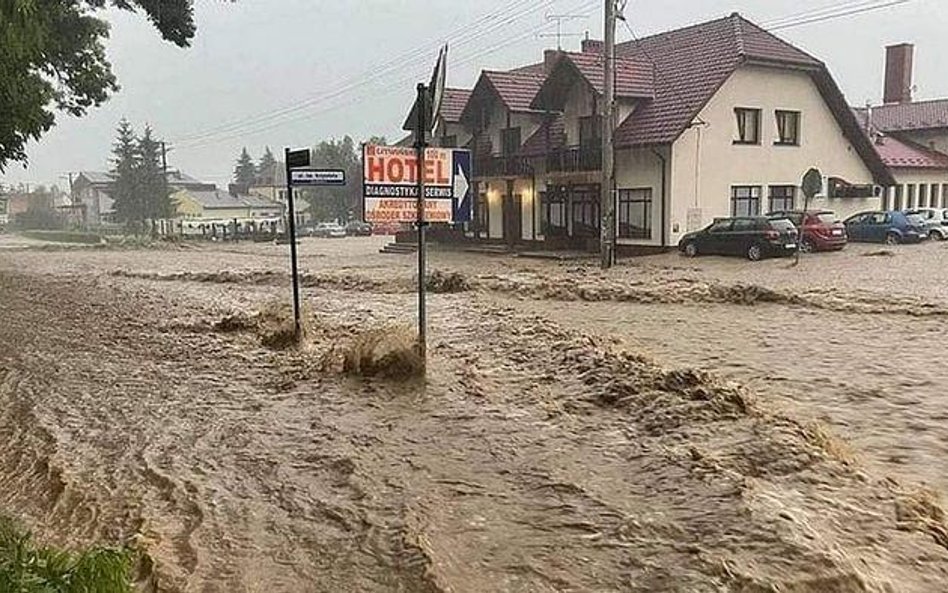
(28, 568)
(64, 237)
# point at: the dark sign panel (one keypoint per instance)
(297, 158)
(840, 188)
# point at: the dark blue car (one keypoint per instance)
(891, 227)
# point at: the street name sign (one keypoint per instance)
(309, 177)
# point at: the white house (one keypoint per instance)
(716, 119)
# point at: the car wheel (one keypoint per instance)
(807, 246)
(892, 239)
(755, 252)
(691, 250)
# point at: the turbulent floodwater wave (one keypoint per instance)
(146, 407)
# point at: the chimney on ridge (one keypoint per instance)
(593, 46)
(550, 56)
(899, 61)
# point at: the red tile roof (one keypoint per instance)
(453, 104)
(550, 136)
(919, 115)
(635, 77)
(690, 65)
(515, 89)
(902, 154)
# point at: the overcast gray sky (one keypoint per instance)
(293, 72)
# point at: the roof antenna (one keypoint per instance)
(559, 19)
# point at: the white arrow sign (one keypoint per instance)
(461, 184)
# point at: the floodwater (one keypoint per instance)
(672, 425)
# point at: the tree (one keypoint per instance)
(327, 203)
(52, 58)
(245, 173)
(267, 169)
(152, 183)
(125, 156)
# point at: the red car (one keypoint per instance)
(819, 229)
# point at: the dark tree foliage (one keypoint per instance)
(152, 183)
(52, 58)
(244, 171)
(267, 169)
(125, 190)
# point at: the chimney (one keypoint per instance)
(550, 56)
(593, 46)
(898, 73)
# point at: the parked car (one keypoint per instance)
(936, 221)
(386, 228)
(819, 230)
(753, 237)
(330, 230)
(891, 227)
(357, 228)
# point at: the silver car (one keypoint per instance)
(936, 221)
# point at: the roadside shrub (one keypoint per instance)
(26, 567)
(64, 237)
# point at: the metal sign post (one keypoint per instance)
(293, 159)
(420, 145)
(812, 185)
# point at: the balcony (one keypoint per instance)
(501, 166)
(575, 159)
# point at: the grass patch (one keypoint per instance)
(64, 237)
(26, 567)
(387, 353)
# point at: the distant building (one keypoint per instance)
(222, 206)
(910, 136)
(92, 193)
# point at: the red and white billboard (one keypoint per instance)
(390, 184)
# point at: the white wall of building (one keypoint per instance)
(641, 168)
(916, 187)
(706, 163)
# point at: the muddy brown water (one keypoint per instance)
(553, 448)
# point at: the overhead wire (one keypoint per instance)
(481, 28)
(391, 86)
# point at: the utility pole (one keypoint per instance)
(607, 232)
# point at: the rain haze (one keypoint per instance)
(662, 311)
(295, 72)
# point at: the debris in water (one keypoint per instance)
(389, 352)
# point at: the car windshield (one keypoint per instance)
(782, 224)
(915, 219)
(826, 217)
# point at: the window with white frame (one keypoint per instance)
(781, 198)
(745, 200)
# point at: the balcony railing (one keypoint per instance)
(501, 166)
(576, 158)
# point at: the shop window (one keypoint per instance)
(635, 213)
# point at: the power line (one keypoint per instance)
(264, 126)
(393, 86)
(833, 16)
(463, 35)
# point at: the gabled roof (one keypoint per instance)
(635, 78)
(550, 136)
(451, 107)
(217, 199)
(515, 90)
(903, 154)
(904, 117)
(97, 177)
(453, 104)
(692, 63)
